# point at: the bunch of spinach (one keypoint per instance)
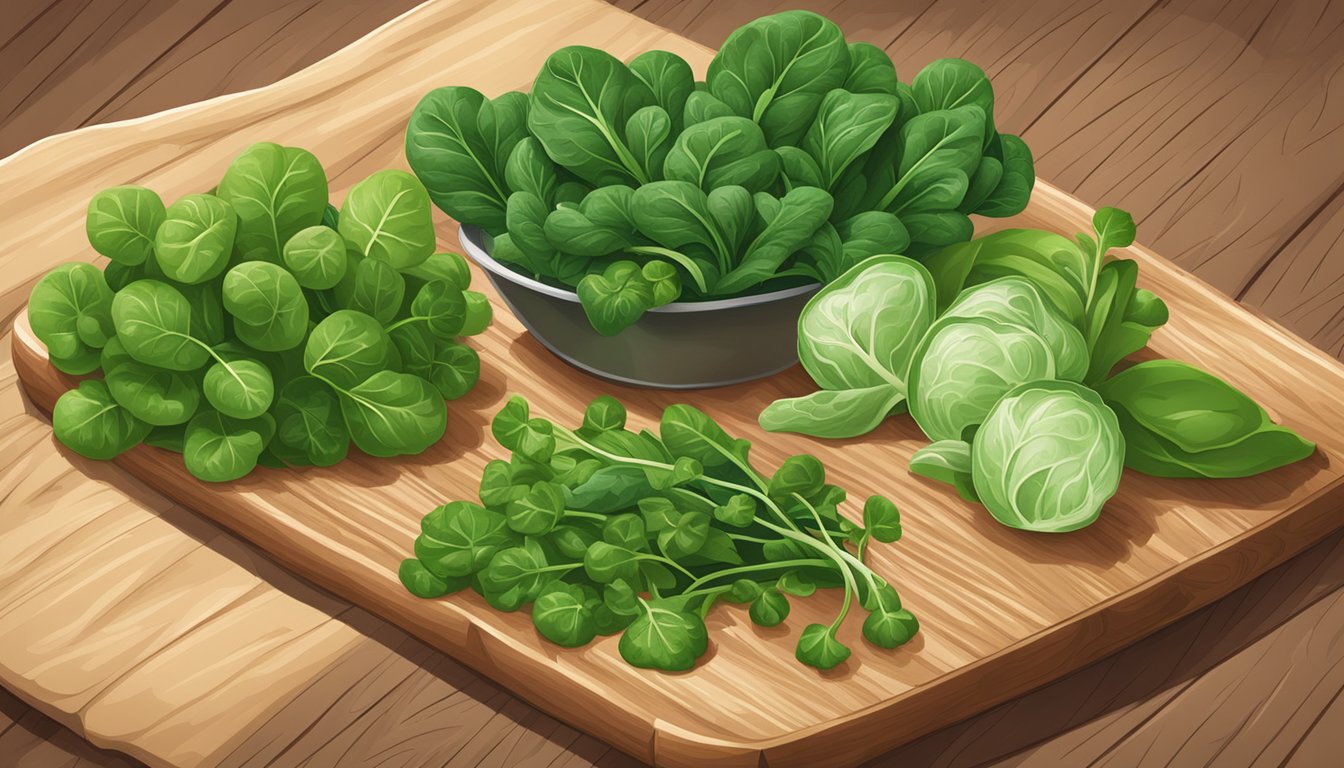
(797, 156)
(257, 324)
(605, 530)
(1003, 350)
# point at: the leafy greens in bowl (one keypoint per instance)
(798, 156)
(753, 336)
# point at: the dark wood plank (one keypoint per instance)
(1304, 287)
(77, 63)
(29, 739)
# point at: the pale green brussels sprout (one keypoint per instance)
(964, 365)
(1015, 299)
(1047, 457)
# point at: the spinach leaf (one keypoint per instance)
(870, 70)
(70, 310)
(871, 233)
(276, 191)
(582, 101)
(776, 69)
(847, 126)
(1179, 421)
(309, 422)
(601, 224)
(242, 389)
(373, 287)
(195, 241)
(616, 298)
(801, 212)
(649, 134)
(458, 143)
(219, 448)
(153, 321)
(346, 348)
(723, 151)
(953, 83)
(702, 106)
(528, 170)
(670, 79)
(393, 414)
(268, 306)
(91, 423)
(121, 223)
(316, 256)
(939, 151)
(1013, 192)
(156, 396)
(386, 217)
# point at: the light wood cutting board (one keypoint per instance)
(1002, 611)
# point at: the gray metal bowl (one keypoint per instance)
(683, 345)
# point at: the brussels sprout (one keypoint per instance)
(964, 365)
(1047, 457)
(1015, 299)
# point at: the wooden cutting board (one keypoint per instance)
(1002, 611)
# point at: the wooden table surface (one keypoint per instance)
(1219, 124)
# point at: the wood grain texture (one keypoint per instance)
(346, 529)
(28, 739)
(366, 689)
(516, 736)
(81, 62)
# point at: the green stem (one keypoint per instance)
(585, 515)
(663, 560)
(405, 321)
(753, 569)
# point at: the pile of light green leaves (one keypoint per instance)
(605, 531)
(798, 156)
(257, 324)
(1002, 350)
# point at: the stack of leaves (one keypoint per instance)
(1002, 349)
(604, 531)
(258, 324)
(798, 156)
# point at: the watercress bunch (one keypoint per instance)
(605, 530)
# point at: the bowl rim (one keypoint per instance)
(473, 242)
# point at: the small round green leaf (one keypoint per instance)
(242, 389)
(121, 223)
(770, 608)
(817, 647)
(316, 255)
(153, 321)
(195, 241)
(89, 422)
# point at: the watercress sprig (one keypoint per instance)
(606, 530)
